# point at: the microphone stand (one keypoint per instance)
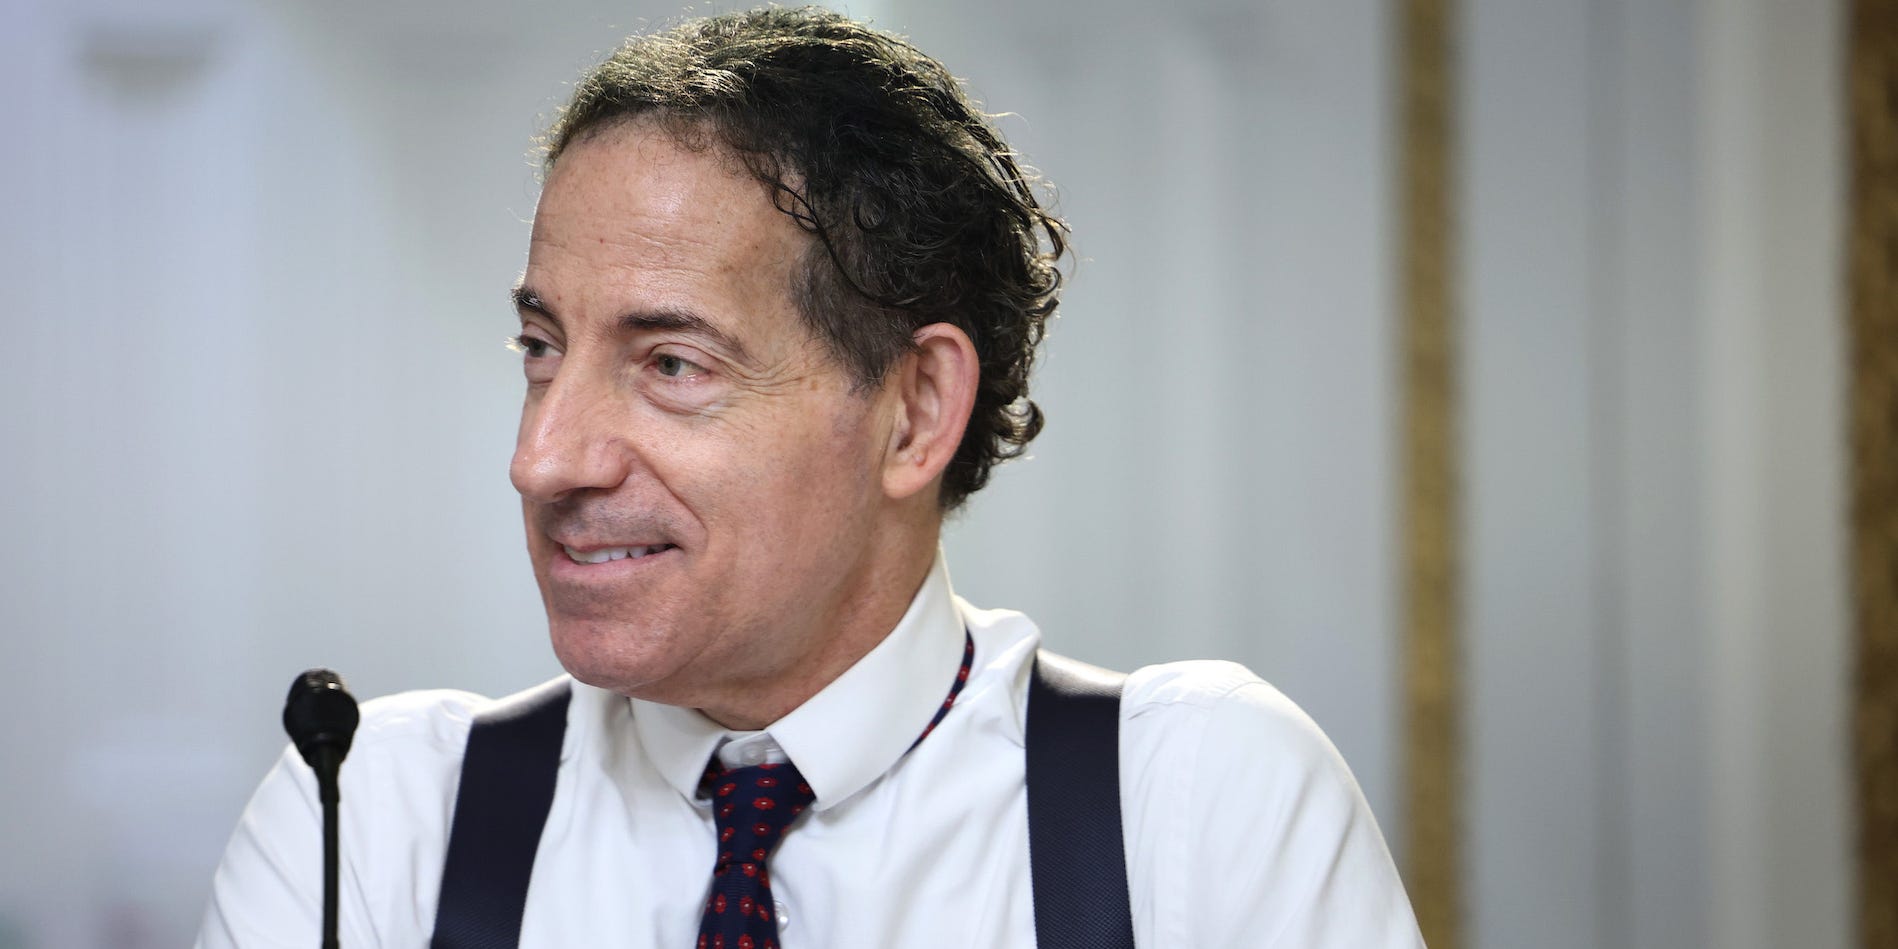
(328, 763)
(321, 718)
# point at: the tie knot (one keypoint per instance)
(752, 806)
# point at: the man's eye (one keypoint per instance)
(532, 347)
(672, 366)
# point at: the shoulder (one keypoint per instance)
(429, 718)
(397, 781)
(417, 740)
(408, 739)
(399, 736)
(405, 757)
(1231, 792)
(1214, 738)
(436, 722)
(1213, 734)
(1224, 708)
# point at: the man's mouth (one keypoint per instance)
(604, 554)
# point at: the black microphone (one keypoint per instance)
(321, 718)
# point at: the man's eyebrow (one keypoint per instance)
(527, 301)
(662, 320)
(683, 321)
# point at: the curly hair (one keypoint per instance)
(920, 212)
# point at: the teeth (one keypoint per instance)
(614, 553)
(605, 554)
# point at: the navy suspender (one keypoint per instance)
(507, 785)
(1077, 856)
(1079, 873)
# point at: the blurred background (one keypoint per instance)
(258, 413)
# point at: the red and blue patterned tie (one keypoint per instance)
(751, 807)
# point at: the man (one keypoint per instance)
(783, 292)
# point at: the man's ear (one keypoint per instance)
(934, 386)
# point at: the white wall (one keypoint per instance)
(260, 413)
(1537, 764)
(1774, 223)
(1656, 586)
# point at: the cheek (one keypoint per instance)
(837, 467)
(791, 472)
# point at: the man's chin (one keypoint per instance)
(612, 656)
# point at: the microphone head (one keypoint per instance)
(320, 713)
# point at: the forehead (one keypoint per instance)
(630, 217)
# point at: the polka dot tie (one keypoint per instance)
(751, 808)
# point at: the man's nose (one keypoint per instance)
(572, 438)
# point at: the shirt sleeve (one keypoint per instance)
(1256, 830)
(268, 891)
(398, 788)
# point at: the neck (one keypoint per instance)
(869, 607)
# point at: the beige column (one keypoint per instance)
(1431, 656)
(1873, 315)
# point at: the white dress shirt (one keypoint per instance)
(1243, 825)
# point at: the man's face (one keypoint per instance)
(699, 480)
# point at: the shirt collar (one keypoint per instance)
(847, 735)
